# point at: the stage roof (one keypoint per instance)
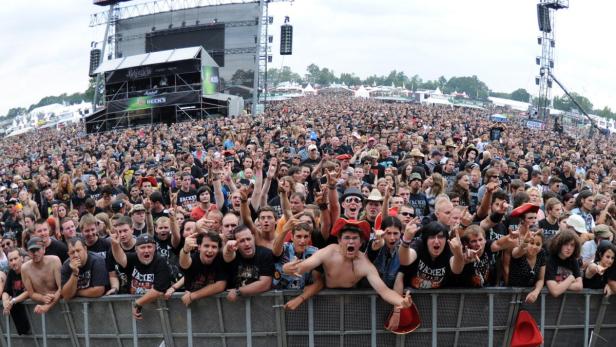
(156, 58)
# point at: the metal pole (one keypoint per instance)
(491, 321)
(543, 315)
(434, 320)
(8, 330)
(189, 327)
(310, 323)
(373, 320)
(135, 339)
(86, 324)
(586, 319)
(248, 324)
(44, 328)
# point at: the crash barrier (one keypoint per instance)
(461, 317)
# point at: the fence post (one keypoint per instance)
(86, 323)
(586, 318)
(543, 316)
(491, 320)
(44, 328)
(189, 332)
(434, 320)
(7, 319)
(310, 323)
(135, 339)
(248, 323)
(373, 320)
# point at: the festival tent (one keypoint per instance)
(362, 92)
(309, 90)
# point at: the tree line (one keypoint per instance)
(471, 85)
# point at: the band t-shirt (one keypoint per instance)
(166, 250)
(154, 275)
(426, 273)
(246, 271)
(549, 230)
(480, 273)
(92, 274)
(101, 247)
(187, 200)
(200, 275)
(558, 270)
(121, 272)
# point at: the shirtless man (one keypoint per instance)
(41, 276)
(344, 265)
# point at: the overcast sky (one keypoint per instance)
(44, 47)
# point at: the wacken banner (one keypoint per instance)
(152, 101)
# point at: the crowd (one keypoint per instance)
(317, 192)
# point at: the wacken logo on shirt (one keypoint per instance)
(428, 277)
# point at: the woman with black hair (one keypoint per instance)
(596, 274)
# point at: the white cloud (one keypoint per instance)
(45, 44)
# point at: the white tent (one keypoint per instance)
(362, 92)
(308, 90)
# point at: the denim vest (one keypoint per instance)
(387, 264)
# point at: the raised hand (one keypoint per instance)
(379, 234)
(292, 268)
(455, 245)
(411, 229)
(190, 243)
(290, 224)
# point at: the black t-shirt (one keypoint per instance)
(14, 286)
(495, 133)
(154, 275)
(419, 202)
(558, 270)
(479, 274)
(200, 275)
(597, 281)
(549, 230)
(166, 251)
(92, 274)
(121, 272)
(520, 272)
(246, 271)
(94, 194)
(58, 249)
(187, 200)
(426, 273)
(101, 247)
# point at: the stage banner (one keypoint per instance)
(209, 78)
(152, 101)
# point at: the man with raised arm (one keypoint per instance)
(344, 265)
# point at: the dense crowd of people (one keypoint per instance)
(317, 192)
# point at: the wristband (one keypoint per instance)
(75, 274)
(331, 186)
(137, 306)
(404, 243)
(238, 293)
(303, 298)
(184, 251)
(322, 207)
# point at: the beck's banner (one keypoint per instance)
(151, 101)
(209, 79)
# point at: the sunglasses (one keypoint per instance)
(407, 214)
(355, 200)
(7, 244)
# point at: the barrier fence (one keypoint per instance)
(461, 317)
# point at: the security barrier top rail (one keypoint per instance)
(450, 317)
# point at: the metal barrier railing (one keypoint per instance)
(450, 317)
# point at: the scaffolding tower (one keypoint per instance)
(545, 18)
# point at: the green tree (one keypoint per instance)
(564, 102)
(16, 111)
(520, 95)
(442, 82)
(472, 86)
(606, 112)
(350, 79)
(500, 95)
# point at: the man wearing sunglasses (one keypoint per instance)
(352, 200)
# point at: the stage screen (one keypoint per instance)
(212, 37)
